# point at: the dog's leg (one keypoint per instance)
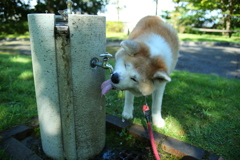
(157, 96)
(128, 106)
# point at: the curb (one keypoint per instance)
(168, 144)
(13, 147)
(18, 151)
(10, 141)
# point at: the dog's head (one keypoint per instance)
(137, 70)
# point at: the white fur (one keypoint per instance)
(163, 50)
(129, 78)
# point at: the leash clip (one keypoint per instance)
(146, 112)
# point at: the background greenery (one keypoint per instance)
(13, 13)
(214, 14)
(114, 27)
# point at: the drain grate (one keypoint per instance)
(129, 155)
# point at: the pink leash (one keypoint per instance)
(146, 112)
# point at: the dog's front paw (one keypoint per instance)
(127, 115)
(159, 122)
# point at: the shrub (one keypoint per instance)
(14, 27)
(114, 26)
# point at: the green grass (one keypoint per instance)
(114, 36)
(182, 37)
(203, 110)
(20, 36)
(17, 95)
(207, 38)
(186, 37)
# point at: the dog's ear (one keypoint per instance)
(162, 75)
(131, 47)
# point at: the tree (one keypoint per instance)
(227, 9)
(13, 13)
(156, 12)
(118, 7)
(82, 6)
(184, 17)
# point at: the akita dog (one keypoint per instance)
(143, 65)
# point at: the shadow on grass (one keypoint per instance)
(199, 109)
(17, 100)
(202, 110)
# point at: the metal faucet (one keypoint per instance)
(67, 11)
(105, 65)
(69, 7)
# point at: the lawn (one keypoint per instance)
(20, 36)
(182, 37)
(186, 37)
(17, 94)
(207, 38)
(202, 110)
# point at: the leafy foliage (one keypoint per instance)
(200, 13)
(113, 26)
(13, 16)
(13, 13)
(83, 6)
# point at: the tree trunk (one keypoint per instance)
(228, 24)
(50, 6)
(156, 7)
(228, 20)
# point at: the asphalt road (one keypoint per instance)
(219, 60)
(223, 61)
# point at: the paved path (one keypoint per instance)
(219, 60)
(223, 61)
(22, 47)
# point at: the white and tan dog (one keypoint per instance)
(144, 63)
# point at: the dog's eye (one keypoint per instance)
(134, 79)
(126, 65)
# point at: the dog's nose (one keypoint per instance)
(115, 78)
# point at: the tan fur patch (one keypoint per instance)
(153, 24)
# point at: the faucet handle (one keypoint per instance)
(105, 55)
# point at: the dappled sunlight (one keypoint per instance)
(17, 100)
(115, 35)
(121, 94)
(20, 59)
(174, 128)
(26, 75)
(234, 62)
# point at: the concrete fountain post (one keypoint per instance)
(70, 107)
